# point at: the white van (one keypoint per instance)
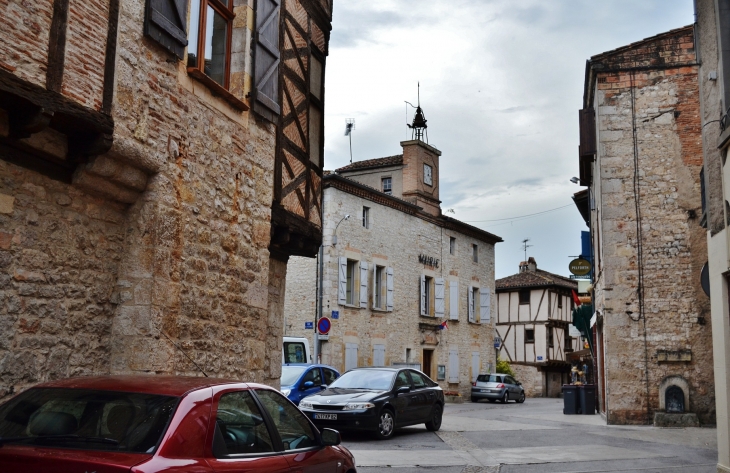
(296, 350)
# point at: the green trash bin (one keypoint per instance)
(571, 402)
(587, 396)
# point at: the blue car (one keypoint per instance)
(299, 380)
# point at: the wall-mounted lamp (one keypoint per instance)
(574, 180)
(334, 237)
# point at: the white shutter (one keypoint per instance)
(454, 300)
(454, 365)
(375, 287)
(389, 285)
(350, 356)
(485, 305)
(470, 303)
(475, 365)
(423, 295)
(363, 284)
(378, 355)
(440, 297)
(342, 282)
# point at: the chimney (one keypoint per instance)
(529, 265)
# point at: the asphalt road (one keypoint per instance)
(534, 437)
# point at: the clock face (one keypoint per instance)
(427, 176)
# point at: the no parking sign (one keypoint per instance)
(324, 325)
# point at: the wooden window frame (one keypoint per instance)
(353, 282)
(532, 339)
(366, 217)
(475, 253)
(524, 300)
(430, 291)
(560, 300)
(551, 337)
(389, 190)
(452, 245)
(199, 71)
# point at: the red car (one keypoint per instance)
(145, 424)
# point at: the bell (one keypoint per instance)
(419, 121)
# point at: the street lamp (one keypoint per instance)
(574, 180)
(334, 237)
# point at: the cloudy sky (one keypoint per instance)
(501, 85)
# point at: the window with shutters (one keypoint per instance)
(454, 300)
(427, 296)
(379, 287)
(352, 282)
(475, 305)
(209, 40)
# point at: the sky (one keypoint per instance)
(501, 86)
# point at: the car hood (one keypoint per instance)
(343, 396)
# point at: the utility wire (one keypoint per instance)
(521, 216)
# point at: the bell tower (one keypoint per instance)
(421, 167)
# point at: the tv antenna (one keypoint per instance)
(525, 246)
(349, 126)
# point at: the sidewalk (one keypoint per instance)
(535, 437)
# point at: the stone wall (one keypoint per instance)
(97, 279)
(675, 310)
(395, 240)
(532, 379)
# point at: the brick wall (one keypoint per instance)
(24, 39)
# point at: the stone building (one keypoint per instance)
(712, 27)
(533, 317)
(147, 210)
(394, 271)
(641, 156)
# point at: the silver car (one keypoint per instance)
(495, 387)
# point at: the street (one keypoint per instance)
(534, 437)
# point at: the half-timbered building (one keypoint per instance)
(160, 160)
(534, 310)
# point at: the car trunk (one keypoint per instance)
(489, 385)
(17, 459)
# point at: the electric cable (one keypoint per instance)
(520, 217)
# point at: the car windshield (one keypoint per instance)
(290, 374)
(87, 419)
(489, 378)
(365, 379)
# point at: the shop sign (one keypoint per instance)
(580, 267)
(429, 260)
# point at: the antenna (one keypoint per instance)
(349, 126)
(183, 352)
(525, 246)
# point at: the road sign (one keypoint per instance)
(324, 325)
(335, 314)
(497, 342)
(308, 325)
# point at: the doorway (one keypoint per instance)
(427, 362)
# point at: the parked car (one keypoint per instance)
(497, 386)
(301, 380)
(377, 400)
(146, 424)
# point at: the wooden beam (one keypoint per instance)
(57, 46)
(34, 160)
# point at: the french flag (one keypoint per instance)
(443, 325)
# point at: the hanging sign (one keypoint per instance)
(580, 267)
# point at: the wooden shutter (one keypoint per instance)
(454, 365)
(389, 285)
(375, 287)
(587, 119)
(454, 300)
(342, 282)
(166, 23)
(470, 303)
(485, 305)
(423, 295)
(266, 60)
(476, 365)
(350, 356)
(363, 284)
(378, 355)
(439, 297)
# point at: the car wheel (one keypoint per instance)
(505, 398)
(435, 422)
(521, 399)
(386, 425)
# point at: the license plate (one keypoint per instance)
(325, 416)
(486, 390)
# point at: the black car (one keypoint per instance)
(377, 400)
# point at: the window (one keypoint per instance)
(473, 304)
(387, 185)
(209, 39)
(294, 428)
(452, 245)
(525, 296)
(329, 376)
(560, 301)
(568, 340)
(379, 287)
(427, 297)
(418, 380)
(475, 253)
(402, 379)
(366, 217)
(314, 376)
(240, 426)
(433, 298)
(351, 281)
(551, 341)
(529, 335)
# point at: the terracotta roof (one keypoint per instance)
(396, 160)
(536, 278)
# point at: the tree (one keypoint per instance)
(504, 367)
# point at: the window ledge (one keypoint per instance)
(384, 311)
(352, 306)
(217, 89)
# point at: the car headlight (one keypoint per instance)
(286, 392)
(305, 405)
(354, 406)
